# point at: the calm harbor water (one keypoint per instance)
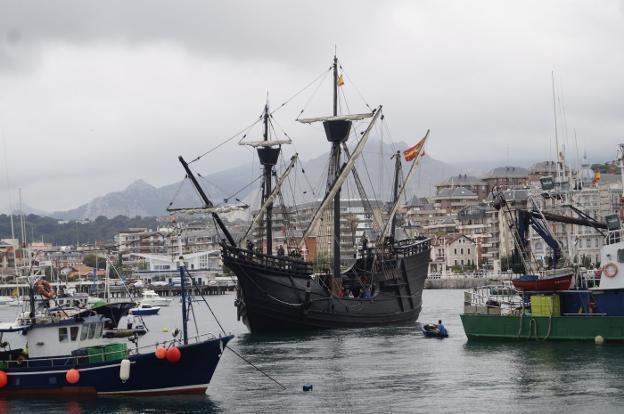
(386, 369)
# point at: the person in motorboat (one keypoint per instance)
(442, 329)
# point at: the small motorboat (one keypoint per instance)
(431, 330)
(150, 297)
(144, 309)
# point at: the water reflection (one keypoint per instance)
(169, 404)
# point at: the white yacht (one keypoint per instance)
(152, 298)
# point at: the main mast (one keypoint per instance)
(268, 156)
(336, 160)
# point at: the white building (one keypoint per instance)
(204, 267)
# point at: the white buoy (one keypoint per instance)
(599, 340)
(124, 370)
(165, 329)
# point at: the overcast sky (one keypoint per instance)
(94, 95)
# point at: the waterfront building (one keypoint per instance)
(507, 177)
(454, 199)
(355, 222)
(479, 224)
(204, 267)
(460, 253)
(140, 240)
(472, 183)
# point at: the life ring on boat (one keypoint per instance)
(610, 269)
(45, 289)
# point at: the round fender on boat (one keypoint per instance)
(599, 340)
(610, 269)
(161, 352)
(72, 376)
(124, 370)
(174, 354)
(307, 387)
(4, 379)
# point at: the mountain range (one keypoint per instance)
(143, 199)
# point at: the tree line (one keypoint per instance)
(73, 232)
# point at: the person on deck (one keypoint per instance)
(364, 242)
(129, 320)
(441, 328)
(250, 247)
(280, 250)
(366, 293)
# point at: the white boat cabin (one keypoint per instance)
(61, 338)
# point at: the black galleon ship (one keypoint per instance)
(285, 288)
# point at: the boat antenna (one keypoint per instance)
(181, 267)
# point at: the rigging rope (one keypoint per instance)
(246, 129)
(242, 189)
(355, 87)
(315, 91)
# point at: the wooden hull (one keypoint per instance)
(275, 299)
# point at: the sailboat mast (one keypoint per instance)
(558, 154)
(336, 160)
(266, 191)
(395, 197)
(182, 269)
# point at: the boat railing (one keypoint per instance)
(614, 236)
(291, 264)
(411, 247)
(71, 361)
(492, 300)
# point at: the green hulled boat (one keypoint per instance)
(528, 327)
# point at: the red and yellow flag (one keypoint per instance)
(340, 81)
(417, 150)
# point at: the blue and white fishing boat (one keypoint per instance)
(69, 355)
(145, 309)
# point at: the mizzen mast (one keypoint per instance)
(395, 192)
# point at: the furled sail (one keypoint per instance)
(266, 143)
(344, 173)
(213, 209)
(352, 117)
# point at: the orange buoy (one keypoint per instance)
(161, 352)
(174, 354)
(72, 376)
(4, 380)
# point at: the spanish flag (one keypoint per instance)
(340, 81)
(417, 150)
